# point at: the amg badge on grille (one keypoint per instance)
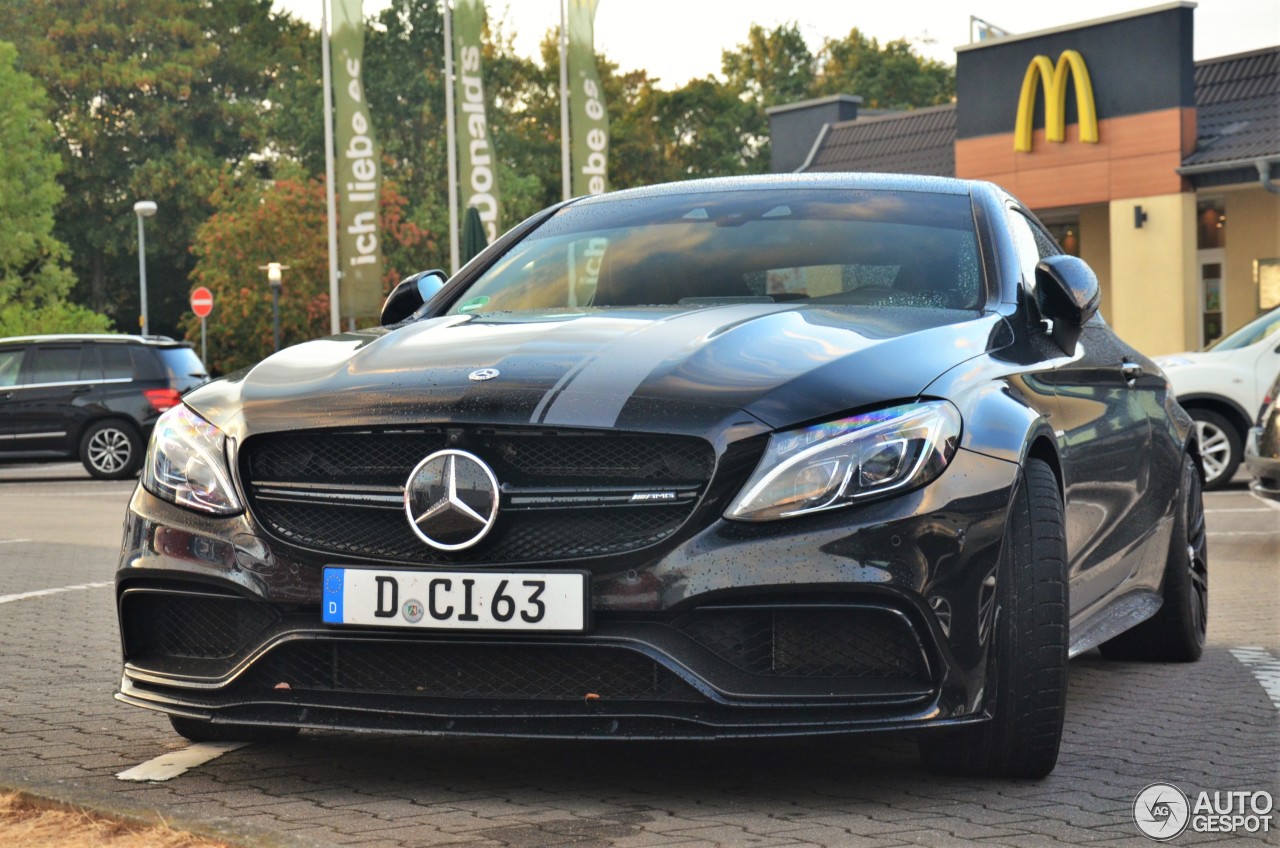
(451, 499)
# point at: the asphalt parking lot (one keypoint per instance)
(1209, 726)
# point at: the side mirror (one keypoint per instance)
(1067, 293)
(409, 295)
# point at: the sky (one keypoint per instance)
(679, 40)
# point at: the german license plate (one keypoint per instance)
(456, 600)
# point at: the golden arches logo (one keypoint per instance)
(1055, 100)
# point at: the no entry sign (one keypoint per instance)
(202, 302)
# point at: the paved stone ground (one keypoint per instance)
(1205, 726)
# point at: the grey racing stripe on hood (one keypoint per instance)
(593, 393)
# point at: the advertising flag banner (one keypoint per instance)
(588, 118)
(477, 171)
(359, 170)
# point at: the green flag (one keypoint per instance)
(358, 172)
(588, 118)
(477, 171)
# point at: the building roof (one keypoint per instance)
(921, 141)
(1237, 108)
(1237, 118)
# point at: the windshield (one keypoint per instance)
(1251, 333)
(829, 245)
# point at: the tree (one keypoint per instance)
(889, 77)
(34, 279)
(281, 220)
(156, 99)
(772, 67)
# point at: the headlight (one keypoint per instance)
(1173, 361)
(186, 464)
(837, 463)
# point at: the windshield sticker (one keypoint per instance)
(474, 303)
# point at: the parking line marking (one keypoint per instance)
(1265, 668)
(1265, 501)
(12, 541)
(170, 765)
(40, 593)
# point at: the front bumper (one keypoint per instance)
(874, 617)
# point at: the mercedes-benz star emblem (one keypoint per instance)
(451, 499)
(483, 374)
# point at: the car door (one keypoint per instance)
(10, 369)
(1104, 394)
(54, 397)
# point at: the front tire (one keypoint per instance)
(111, 450)
(202, 730)
(1029, 696)
(1220, 447)
(1176, 633)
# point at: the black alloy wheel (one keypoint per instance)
(1176, 633)
(1028, 677)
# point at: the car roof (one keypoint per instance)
(110, 338)
(755, 182)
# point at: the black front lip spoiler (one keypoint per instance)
(561, 721)
(715, 679)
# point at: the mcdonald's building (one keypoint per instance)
(1162, 172)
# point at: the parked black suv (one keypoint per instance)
(91, 396)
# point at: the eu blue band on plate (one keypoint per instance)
(333, 595)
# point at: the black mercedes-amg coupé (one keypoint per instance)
(750, 457)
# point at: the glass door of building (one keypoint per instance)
(1210, 265)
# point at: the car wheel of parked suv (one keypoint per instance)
(1030, 646)
(1220, 448)
(111, 450)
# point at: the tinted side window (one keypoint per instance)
(146, 365)
(60, 365)
(116, 362)
(10, 365)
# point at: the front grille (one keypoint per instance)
(861, 642)
(565, 494)
(439, 670)
(192, 626)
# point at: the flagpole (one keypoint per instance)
(451, 136)
(566, 182)
(335, 305)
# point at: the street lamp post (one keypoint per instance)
(143, 209)
(273, 270)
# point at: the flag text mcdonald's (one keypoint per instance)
(1055, 100)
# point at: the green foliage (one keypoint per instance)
(31, 258)
(212, 108)
(55, 316)
(772, 67)
(283, 221)
(890, 77)
(155, 99)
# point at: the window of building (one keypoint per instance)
(1067, 234)
(1211, 225)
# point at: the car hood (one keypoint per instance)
(666, 369)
